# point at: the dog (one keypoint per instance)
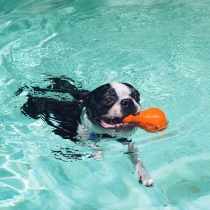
(81, 115)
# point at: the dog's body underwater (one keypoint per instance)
(71, 111)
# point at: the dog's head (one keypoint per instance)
(107, 105)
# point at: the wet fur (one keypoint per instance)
(60, 112)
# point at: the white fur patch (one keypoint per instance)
(89, 125)
(122, 90)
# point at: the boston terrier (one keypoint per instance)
(81, 115)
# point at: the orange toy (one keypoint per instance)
(151, 120)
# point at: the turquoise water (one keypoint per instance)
(160, 47)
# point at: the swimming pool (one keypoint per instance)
(160, 47)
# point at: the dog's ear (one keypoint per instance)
(81, 95)
(84, 96)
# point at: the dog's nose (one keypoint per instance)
(128, 102)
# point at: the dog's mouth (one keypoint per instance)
(115, 123)
(111, 122)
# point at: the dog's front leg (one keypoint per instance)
(143, 175)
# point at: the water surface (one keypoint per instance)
(161, 48)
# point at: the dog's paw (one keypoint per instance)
(98, 155)
(94, 146)
(147, 183)
(132, 148)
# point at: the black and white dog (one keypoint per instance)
(79, 115)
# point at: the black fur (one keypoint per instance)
(60, 105)
(60, 112)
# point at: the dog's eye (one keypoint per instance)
(108, 101)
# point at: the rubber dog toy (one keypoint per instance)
(151, 120)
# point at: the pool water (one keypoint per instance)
(160, 47)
